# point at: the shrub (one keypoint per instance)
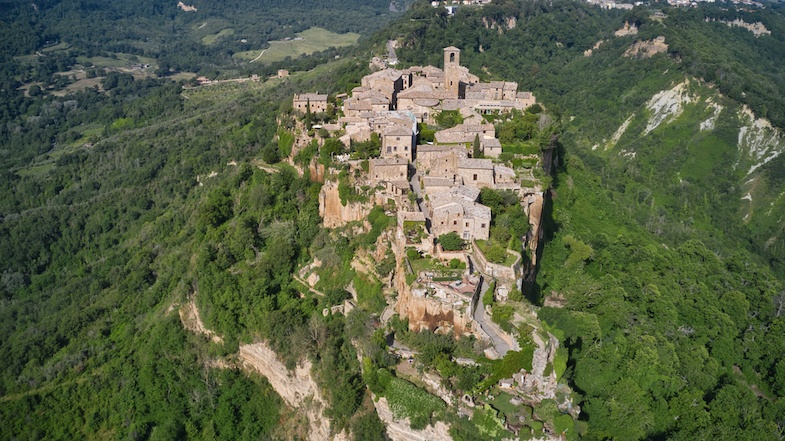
(407, 400)
(451, 241)
(496, 253)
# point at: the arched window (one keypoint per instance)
(452, 58)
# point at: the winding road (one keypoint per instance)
(491, 329)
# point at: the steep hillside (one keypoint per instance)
(658, 311)
(544, 49)
(667, 214)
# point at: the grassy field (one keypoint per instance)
(212, 38)
(119, 60)
(313, 39)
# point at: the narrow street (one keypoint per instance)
(414, 182)
(491, 329)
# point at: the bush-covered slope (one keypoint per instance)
(665, 248)
(106, 232)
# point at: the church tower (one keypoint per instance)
(452, 63)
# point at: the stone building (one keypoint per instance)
(317, 102)
(457, 210)
(390, 169)
(398, 142)
(476, 172)
(439, 160)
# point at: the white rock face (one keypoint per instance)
(620, 131)
(667, 105)
(296, 388)
(758, 140)
(712, 120)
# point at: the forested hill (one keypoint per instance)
(662, 271)
(664, 262)
(543, 46)
(200, 36)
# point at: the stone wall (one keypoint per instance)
(504, 274)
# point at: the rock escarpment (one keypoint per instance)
(334, 213)
(297, 388)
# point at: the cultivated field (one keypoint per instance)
(312, 40)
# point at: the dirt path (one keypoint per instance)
(313, 290)
(260, 56)
(192, 321)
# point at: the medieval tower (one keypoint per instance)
(452, 63)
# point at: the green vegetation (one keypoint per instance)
(496, 253)
(451, 241)
(409, 401)
(448, 118)
(118, 206)
(212, 38)
(304, 43)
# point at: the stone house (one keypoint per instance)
(476, 172)
(398, 142)
(495, 90)
(439, 160)
(458, 212)
(317, 102)
(491, 147)
(388, 82)
(388, 169)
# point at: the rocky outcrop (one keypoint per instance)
(536, 384)
(646, 49)
(627, 29)
(401, 430)
(425, 312)
(533, 204)
(334, 213)
(297, 388)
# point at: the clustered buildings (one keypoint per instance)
(444, 175)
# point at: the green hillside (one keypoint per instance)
(662, 271)
(665, 239)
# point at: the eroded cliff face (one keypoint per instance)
(423, 312)
(401, 430)
(533, 205)
(297, 388)
(334, 213)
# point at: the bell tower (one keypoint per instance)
(452, 62)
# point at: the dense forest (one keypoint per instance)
(670, 302)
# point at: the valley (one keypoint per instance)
(502, 220)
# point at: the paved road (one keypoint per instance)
(485, 323)
(392, 58)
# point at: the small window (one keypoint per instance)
(389, 149)
(467, 224)
(455, 222)
(482, 225)
(397, 138)
(475, 176)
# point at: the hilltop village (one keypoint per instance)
(421, 144)
(432, 189)
(445, 173)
